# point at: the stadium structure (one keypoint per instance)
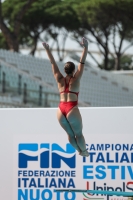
(26, 81)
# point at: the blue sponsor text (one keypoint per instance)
(45, 194)
(112, 171)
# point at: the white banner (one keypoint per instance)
(40, 159)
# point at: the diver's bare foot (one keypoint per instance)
(84, 153)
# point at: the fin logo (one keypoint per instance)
(47, 155)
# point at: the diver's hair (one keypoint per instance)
(69, 67)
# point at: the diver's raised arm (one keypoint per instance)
(55, 69)
(80, 69)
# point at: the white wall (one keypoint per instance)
(105, 125)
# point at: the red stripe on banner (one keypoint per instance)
(129, 183)
(87, 186)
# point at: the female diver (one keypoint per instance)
(68, 113)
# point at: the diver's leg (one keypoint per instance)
(66, 126)
(75, 121)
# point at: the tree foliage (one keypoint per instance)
(104, 20)
(11, 18)
(126, 63)
(107, 24)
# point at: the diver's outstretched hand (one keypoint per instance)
(45, 45)
(84, 42)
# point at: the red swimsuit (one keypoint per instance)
(65, 107)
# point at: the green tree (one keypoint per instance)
(126, 63)
(35, 22)
(65, 20)
(10, 27)
(3, 43)
(59, 19)
(104, 20)
(47, 17)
